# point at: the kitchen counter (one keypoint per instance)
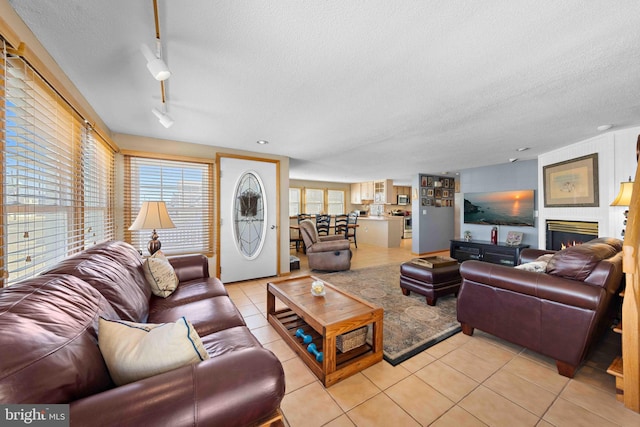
(385, 231)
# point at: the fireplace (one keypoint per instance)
(561, 234)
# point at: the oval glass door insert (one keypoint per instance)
(249, 215)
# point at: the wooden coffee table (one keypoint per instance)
(324, 318)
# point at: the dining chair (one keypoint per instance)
(340, 224)
(352, 228)
(323, 224)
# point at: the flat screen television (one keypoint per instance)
(514, 208)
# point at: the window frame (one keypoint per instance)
(139, 238)
(325, 200)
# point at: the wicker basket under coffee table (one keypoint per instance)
(432, 277)
(336, 316)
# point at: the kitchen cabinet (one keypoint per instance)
(380, 230)
(356, 199)
(383, 191)
(361, 192)
(366, 190)
(400, 190)
(377, 191)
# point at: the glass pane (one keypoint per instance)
(184, 187)
(294, 201)
(336, 202)
(249, 215)
(314, 201)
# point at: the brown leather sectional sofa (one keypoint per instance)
(559, 312)
(49, 346)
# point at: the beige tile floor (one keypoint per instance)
(462, 381)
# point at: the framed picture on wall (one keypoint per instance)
(429, 181)
(430, 192)
(572, 183)
(423, 181)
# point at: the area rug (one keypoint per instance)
(410, 325)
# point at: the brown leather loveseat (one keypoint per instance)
(558, 312)
(49, 345)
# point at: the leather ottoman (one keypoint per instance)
(430, 282)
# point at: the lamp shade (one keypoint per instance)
(624, 196)
(152, 216)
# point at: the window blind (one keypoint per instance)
(186, 188)
(335, 202)
(98, 163)
(294, 201)
(51, 166)
(313, 201)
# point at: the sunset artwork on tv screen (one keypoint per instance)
(514, 208)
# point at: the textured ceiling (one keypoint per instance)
(357, 90)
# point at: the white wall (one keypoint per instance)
(616, 162)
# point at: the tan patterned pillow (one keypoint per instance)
(160, 275)
(133, 351)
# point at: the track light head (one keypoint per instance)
(164, 119)
(155, 64)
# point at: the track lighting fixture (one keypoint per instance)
(155, 64)
(159, 70)
(164, 119)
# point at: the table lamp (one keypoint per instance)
(153, 215)
(624, 198)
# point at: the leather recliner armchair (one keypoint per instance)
(326, 253)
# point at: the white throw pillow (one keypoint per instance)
(134, 351)
(160, 275)
(537, 266)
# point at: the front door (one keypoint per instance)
(248, 219)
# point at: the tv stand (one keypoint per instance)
(480, 250)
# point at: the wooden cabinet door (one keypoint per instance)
(355, 193)
(366, 190)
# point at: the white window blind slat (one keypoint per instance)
(58, 179)
(335, 199)
(185, 187)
